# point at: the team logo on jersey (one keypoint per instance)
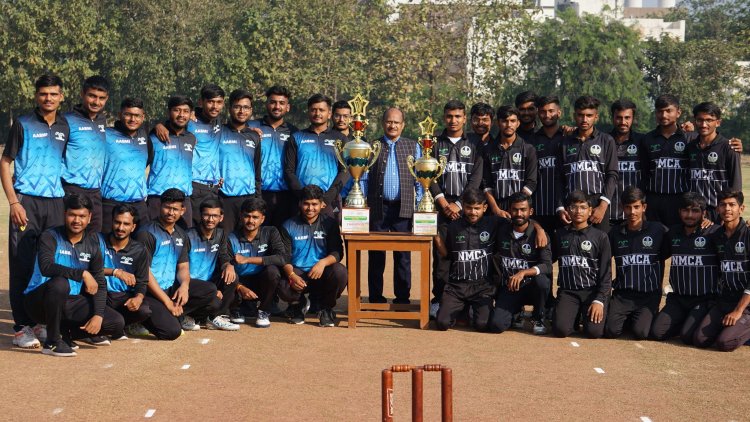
(517, 157)
(465, 151)
(141, 141)
(262, 248)
(84, 257)
(249, 143)
(713, 157)
(679, 146)
(319, 234)
(632, 149)
(188, 148)
(655, 148)
(539, 147)
(178, 241)
(283, 137)
(329, 142)
(739, 247)
(126, 260)
(596, 149)
(572, 150)
(460, 238)
(59, 136)
(622, 243)
(648, 241)
(564, 243)
(101, 128)
(700, 242)
(526, 249)
(484, 236)
(586, 245)
(217, 128)
(215, 247)
(675, 242)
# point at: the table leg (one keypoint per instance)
(424, 280)
(352, 284)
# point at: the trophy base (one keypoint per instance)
(355, 220)
(425, 223)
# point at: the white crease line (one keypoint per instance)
(108, 365)
(149, 413)
(645, 419)
(57, 411)
(639, 345)
(599, 370)
(575, 344)
(205, 341)
(185, 366)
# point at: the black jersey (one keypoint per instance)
(714, 169)
(734, 258)
(547, 151)
(463, 168)
(589, 166)
(507, 171)
(631, 160)
(639, 256)
(470, 247)
(585, 258)
(667, 161)
(514, 254)
(695, 266)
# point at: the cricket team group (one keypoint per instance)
(206, 219)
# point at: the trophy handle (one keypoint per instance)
(441, 168)
(375, 153)
(337, 149)
(410, 165)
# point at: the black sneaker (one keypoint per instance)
(97, 341)
(314, 306)
(298, 311)
(72, 344)
(59, 349)
(326, 317)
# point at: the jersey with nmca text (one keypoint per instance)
(714, 169)
(514, 254)
(589, 165)
(631, 161)
(639, 256)
(584, 258)
(463, 167)
(734, 258)
(470, 247)
(668, 163)
(507, 171)
(694, 270)
(84, 153)
(547, 152)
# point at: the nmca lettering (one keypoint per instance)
(636, 259)
(668, 163)
(515, 263)
(732, 267)
(583, 166)
(472, 255)
(574, 261)
(687, 260)
(455, 167)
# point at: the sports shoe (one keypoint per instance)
(313, 306)
(60, 349)
(434, 307)
(40, 331)
(221, 322)
(69, 341)
(262, 320)
(26, 339)
(188, 323)
(97, 341)
(539, 328)
(326, 318)
(298, 311)
(120, 338)
(236, 317)
(518, 320)
(136, 330)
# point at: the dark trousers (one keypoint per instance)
(232, 205)
(712, 330)
(533, 291)
(280, 206)
(441, 266)
(42, 214)
(202, 299)
(680, 315)
(477, 294)
(663, 208)
(264, 284)
(200, 193)
(569, 304)
(95, 195)
(637, 308)
(390, 222)
(108, 205)
(327, 288)
(154, 209)
(162, 323)
(228, 295)
(116, 301)
(65, 314)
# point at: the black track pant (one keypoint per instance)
(441, 266)
(681, 315)
(569, 304)
(477, 294)
(534, 291)
(637, 308)
(327, 288)
(263, 284)
(42, 214)
(116, 301)
(65, 314)
(712, 330)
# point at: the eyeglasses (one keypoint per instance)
(242, 108)
(578, 208)
(341, 116)
(706, 121)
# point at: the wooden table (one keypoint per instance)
(385, 241)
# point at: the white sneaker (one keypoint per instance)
(221, 322)
(40, 331)
(262, 320)
(26, 339)
(434, 307)
(188, 324)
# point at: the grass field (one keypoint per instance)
(309, 373)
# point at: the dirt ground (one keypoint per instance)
(309, 373)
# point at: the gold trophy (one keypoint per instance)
(357, 156)
(426, 170)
